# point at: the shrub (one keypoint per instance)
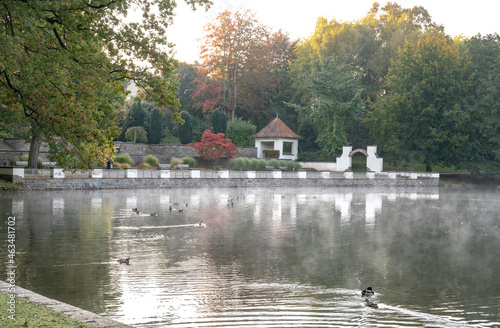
(169, 138)
(189, 160)
(247, 164)
(143, 166)
(239, 131)
(236, 164)
(274, 162)
(258, 164)
(124, 158)
(174, 161)
(122, 166)
(151, 160)
(270, 153)
(39, 160)
(293, 166)
(214, 146)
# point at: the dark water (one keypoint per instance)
(276, 258)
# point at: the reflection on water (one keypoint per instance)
(275, 258)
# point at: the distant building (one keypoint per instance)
(277, 136)
(132, 88)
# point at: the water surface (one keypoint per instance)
(275, 258)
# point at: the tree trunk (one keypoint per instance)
(34, 151)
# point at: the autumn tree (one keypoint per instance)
(214, 146)
(63, 65)
(225, 51)
(422, 112)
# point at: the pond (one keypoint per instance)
(268, 258)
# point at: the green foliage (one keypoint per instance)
(136, 134)
(186, 129)
(67, 85)
(155, 127)
(236, 164)
(422, 113)
(39, 160)
(32, 314)
(258, 164)
(239, 131)
(271, 153)
(255, 164)
(335, 102)
(219, 121)
(189, 160)
(483, 144)
(273, 162)
(170, 139)
(151, 160)
(124, 158)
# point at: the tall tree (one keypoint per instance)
(335, 100)
(483, 145)
(62, 65)
(186, 129)
(422, 112)
(219, 121)
(226, 48)
(155, 127)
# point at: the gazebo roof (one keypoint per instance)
(276, 129)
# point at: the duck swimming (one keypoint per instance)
(371, 304)
(126, 261)
(367, 292)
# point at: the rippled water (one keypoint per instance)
(276, 258)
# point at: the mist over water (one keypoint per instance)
(275, 258)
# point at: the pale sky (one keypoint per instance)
(298, 18)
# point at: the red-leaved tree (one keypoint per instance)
(214, 146)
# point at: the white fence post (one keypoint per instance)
(96, 173)
(131, 173)
(348, 175)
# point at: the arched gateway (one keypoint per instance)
(373, 162)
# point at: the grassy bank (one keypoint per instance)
(5, 185)
(33, 315)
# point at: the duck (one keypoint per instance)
(135, 209)
(371, 304)
(180, 210)
(126, 261)
(367, 292)
(153, 214)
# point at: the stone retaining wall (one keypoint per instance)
(120, 183)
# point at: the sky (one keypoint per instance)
(298, 18)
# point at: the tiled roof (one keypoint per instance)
(276, 129)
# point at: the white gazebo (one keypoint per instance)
(277, 136)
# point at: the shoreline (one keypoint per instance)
(73, 312)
